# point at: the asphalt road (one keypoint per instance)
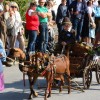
(14, 88)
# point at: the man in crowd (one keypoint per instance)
(77, 9)
(43, 14)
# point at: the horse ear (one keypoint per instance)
(16, 50)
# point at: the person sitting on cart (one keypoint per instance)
(68, 36)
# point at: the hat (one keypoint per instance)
(67, 23)
(13, 4)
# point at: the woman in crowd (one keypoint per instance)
(97, 39)
(17, 30)
(97, 15)
(88, 30)
(2, 59)
(51, 22)
(32, 27)
(2, 23)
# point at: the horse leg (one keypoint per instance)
(31, 82)
(31, 87)
(48, 87)
(34, 80)
(69, 86)
(46, 91)
(61, 84)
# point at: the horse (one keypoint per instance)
(41, 64)
(56, 69)
(33, 68)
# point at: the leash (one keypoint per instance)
(23, 72)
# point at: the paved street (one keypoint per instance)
(14, 88)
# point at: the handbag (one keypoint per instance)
(9, 31)
(10, 25)
(92, 25)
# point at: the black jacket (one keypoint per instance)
(61, 13)
(68, 37)
(73, 7)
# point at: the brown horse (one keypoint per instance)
(34, 69)
(56, 69)
(16, 53)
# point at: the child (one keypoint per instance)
(2, 59)
(67, 34)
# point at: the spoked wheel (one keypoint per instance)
(98, 73)
(87, 78)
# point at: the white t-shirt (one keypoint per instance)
(90, 10)
(30, 12)
(1, 7)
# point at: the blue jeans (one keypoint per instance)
(32, 34)
(43, 36)
(77, 26)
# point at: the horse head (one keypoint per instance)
(16, 53)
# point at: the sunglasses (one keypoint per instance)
(13, 7)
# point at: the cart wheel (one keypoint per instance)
(87, 78)
(98, 73)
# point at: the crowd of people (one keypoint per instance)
(76, 20)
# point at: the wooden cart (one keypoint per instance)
(82, 63)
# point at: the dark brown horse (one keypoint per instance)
(34, 68)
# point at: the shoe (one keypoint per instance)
(31, 53)
(46, 51)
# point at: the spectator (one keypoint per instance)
(17, 30)
(95, 3)
(77, 9)
(88, 32)
(2, 59)
(97, 15)
(43, 28)
(32, 27)
(51, 23)
(97, 39)
(62, 12)
(2, 24)
(51, 20)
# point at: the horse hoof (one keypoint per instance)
(48, 96)
(60, 91)
(68, 92)
(35, 94)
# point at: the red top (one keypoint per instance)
(32, 22)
